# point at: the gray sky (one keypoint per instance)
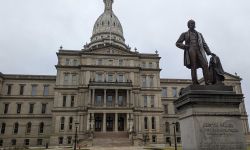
(31, 32)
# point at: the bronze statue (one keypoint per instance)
(216, 70)
(195, 49)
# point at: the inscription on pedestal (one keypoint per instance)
(219, 136)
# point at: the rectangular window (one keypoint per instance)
(145, 101)
(60, 140)
(66, 78)
(164, 92)
(110, 101)
(39, 142)
(120, 62)
(153, 122)
(144, 83)
(72, 101)
(6, 108)
(174, 91)
(178, 139)
(150, 65)
(167, 128)
(9, 89)
(151, 81)
(67, 61)
(13, 142)
(69, 140)
(44, 106)
(120, 78)
(21, 89)
(99, 62)
(120, 101)
(31, 109)
(152, 101)
(1, 142)
(98, 100)
(75, 62)
(62, 123)
(110, 78)
(111, 62)
(64, 101)
(143, 65)
(70, 123)
(154, 139)
(166, 109)
(145, 122)
(19, 107)
(46, 90)
(74, 78)
(27, 141)
(99, 77)
(33, 90)
(3, 128)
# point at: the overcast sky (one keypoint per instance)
(31, 32)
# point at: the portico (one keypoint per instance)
(110, 121)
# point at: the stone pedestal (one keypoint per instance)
(210, 118)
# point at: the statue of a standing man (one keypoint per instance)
(195, 49)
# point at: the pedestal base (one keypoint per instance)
(210, 118)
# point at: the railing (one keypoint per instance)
(106, 83)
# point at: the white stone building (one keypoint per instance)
(108, 89)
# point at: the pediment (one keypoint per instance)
(229, 76)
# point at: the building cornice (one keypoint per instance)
(28, 77)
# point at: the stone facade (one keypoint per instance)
(105, 88)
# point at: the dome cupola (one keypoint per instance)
(107, 29)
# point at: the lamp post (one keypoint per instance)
(76, 125)
(175, 142)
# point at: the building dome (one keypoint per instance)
(107, 28)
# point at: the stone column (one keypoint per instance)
(127, 100)
(89, 103)
(104, 122)
(128, 122)
(116, 97)
(131, 101)
(88, 122)
(81, 123)
(105, 98)
(92, 121)
(93, 97)
(116, 122)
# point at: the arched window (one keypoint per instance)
(41, 127)
(62, 123)
(28, 127)
(3, 128)
(167, 129)
(146, 123)
(70, 123)
(16, 126)
(153, 122)
(177, 127)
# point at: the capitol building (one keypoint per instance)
(109, 93)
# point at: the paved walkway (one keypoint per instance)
(103, 148)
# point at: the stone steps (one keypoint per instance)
(111, 139)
